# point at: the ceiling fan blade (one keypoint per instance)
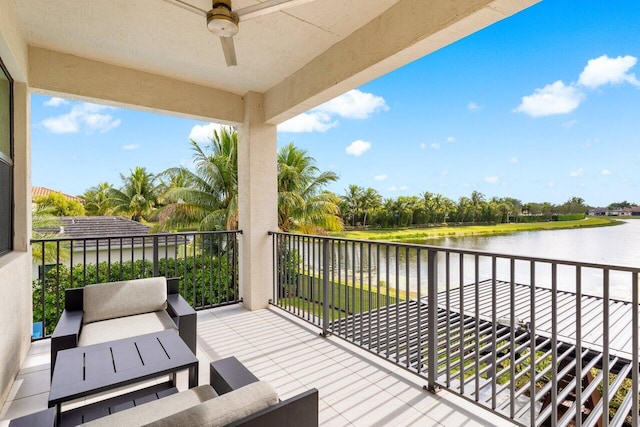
(229, 51)
(188, 6)
(268, 6)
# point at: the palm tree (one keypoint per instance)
(462, 208)
(477, 199)
(448, 206)
(352, 201)
(207, 197)
(370, 201)
(302, 205)
(431, 205)
(97, 199)
(137, 196)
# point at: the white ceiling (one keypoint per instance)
(157, 37)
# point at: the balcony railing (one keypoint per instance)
(537, 341)
(205, 262)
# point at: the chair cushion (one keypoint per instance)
(157, 409)
(125, 327)
(118, 299)
(225, 409)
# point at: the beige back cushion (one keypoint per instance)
(225, 409)
(117, 299)
(157, 409)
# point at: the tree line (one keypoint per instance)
(206, 198)
(365, 207)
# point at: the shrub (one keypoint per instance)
(204, 282)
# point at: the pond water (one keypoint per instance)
(619, 245)
(406, 269)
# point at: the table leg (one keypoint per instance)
(57, 406)
(193, 376)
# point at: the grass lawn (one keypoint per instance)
(413, 234)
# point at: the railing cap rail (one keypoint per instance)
(134, 236)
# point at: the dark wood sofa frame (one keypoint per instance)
(67, 332)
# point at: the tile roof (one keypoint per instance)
(98, 228)
(43, 191)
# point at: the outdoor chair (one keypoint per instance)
(110, 311)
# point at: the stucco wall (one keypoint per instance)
(15, 268)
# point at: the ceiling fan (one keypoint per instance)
(223, 21)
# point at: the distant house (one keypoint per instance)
(598, 212)
(104, 238)
(43, 191)
(634, 211)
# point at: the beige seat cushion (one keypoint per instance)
(125, 327)
(118, 299)
(225, 409)
(157, 409)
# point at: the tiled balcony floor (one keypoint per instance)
(356, 388)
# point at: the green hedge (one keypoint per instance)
(204, 282)
(569, 217)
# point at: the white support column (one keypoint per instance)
(257, 202)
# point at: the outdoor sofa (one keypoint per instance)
(234, 397)
(110, 311)
(238, 400)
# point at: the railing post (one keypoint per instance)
(432, 326)
(325, 288)
(155, 256)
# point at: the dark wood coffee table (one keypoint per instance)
(83, 371)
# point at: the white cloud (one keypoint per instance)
(451, 139)
(513, 160)
(556, 98)
(392, 188)
(204, 133)
(314, 121)
(358, 147)
(604, 70)
(606, 172)
(444, 172)
(403, 187)
(591, 142)
(83, 117)
(381, 177)
(435, 145)
(551, 184)
(55, 102)
(492, 179)
(561, 98)
(130, 147)
(423, 145)
(472, 106)
(577, 173)
(354, 104)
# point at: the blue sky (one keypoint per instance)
(543, 106)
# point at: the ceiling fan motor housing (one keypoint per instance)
(221, 20)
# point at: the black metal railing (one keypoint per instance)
(537, 341)
(205, 262)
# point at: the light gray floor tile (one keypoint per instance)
(355, 386)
